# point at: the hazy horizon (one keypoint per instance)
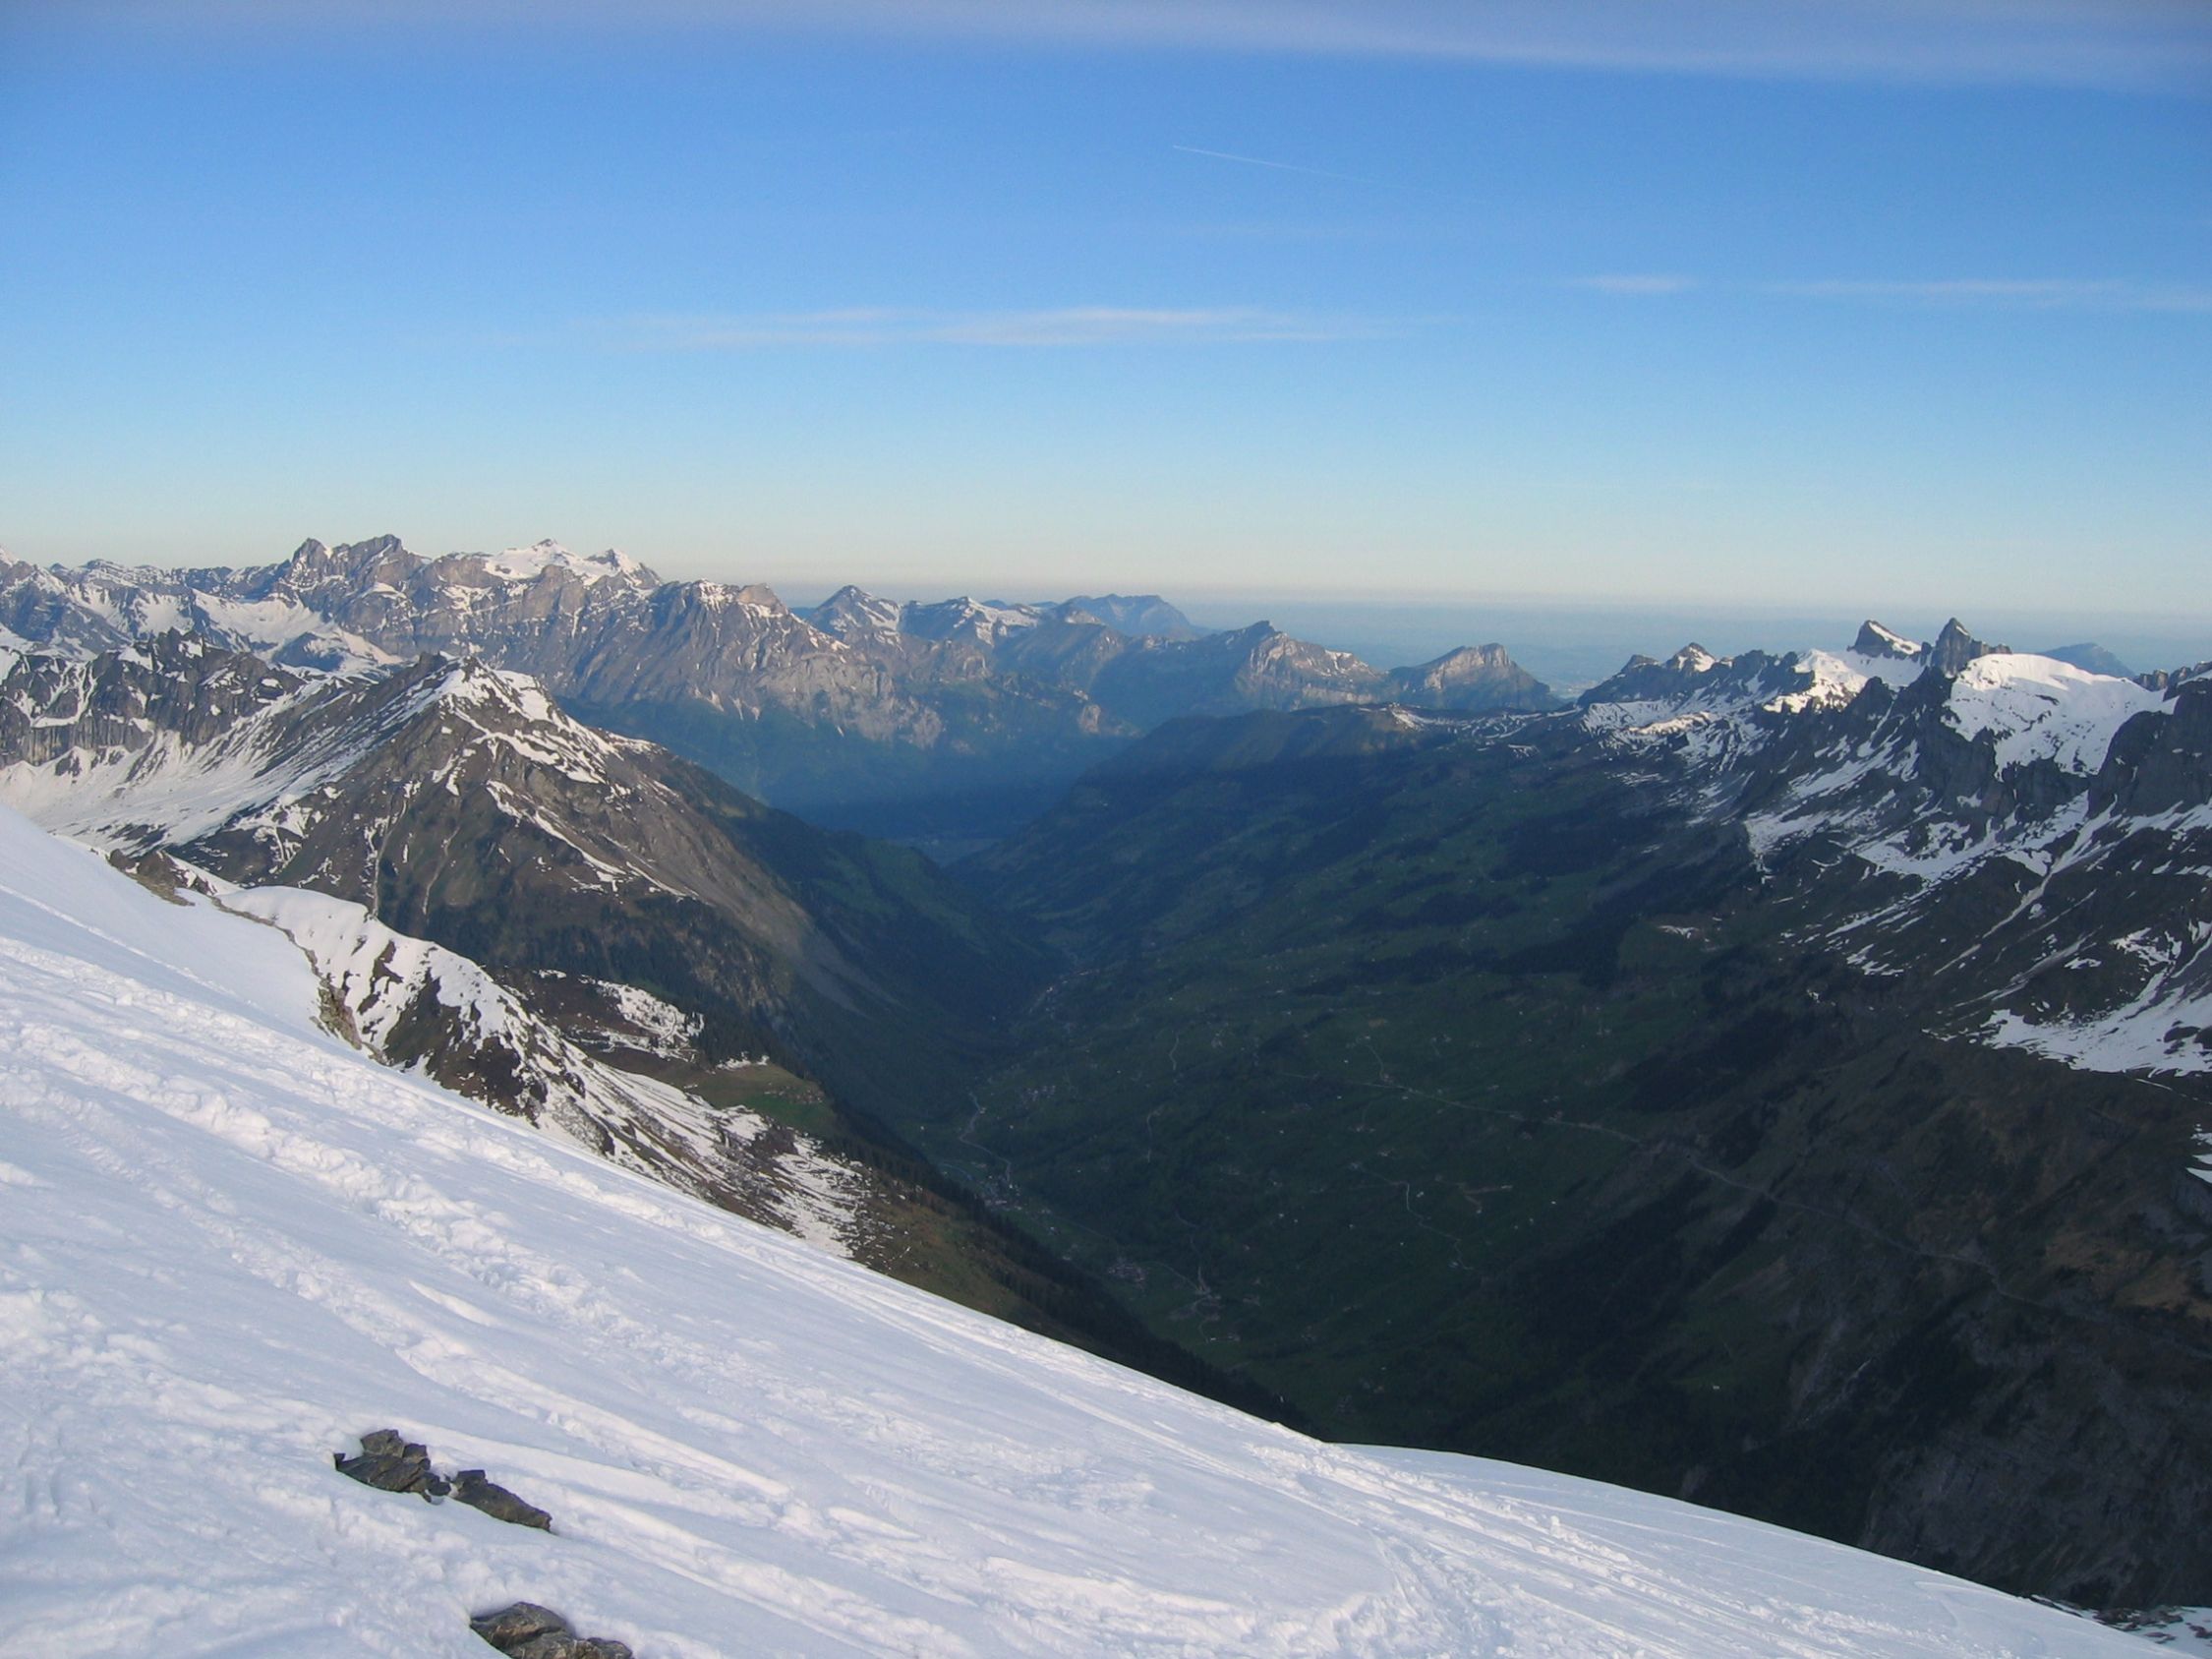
(1568, 642)
(1768, 304)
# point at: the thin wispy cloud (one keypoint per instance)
(1056, 327)
(2140, 43)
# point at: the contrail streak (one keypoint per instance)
(1279, 166)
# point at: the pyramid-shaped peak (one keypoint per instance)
(854, 610)
(1875, 641)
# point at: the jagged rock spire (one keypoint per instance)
(1954, 649)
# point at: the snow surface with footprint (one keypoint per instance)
(229, 1245)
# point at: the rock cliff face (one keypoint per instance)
(954, 719)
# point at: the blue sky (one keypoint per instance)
(1883, 303)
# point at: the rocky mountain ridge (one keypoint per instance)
(956, 716)
(418, 1006)
(458, 803)
(2033, 837)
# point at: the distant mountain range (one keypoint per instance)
(2093, 657)
(946, 721)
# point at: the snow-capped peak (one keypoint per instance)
(854, 610)
(1875, 641)
(2038, 708)
(984, 620)
(472, 679)
(529, 563)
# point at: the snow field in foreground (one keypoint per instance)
(229, 1245)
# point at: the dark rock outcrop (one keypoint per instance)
(1472, 677)
(526, 1631)
(1875, 641)
(391, 1464)
(2170, 678)
(471, 1488)
(512, 1625)
(1954, 649)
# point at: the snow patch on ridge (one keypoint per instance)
(108, 796)
(529, 563)
(375, 973)
(2038, 708)
(1837, 677)
(667, 1028)
(414, 1003)
(2146, 1035)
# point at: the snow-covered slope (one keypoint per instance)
(2028, 707)
(528, 564)
(229, 1245)
(2040, 708)
(418, 1005)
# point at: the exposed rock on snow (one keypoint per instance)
(471, 1488)
(415, 1004)
(391, 1464)
(526, 1631)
